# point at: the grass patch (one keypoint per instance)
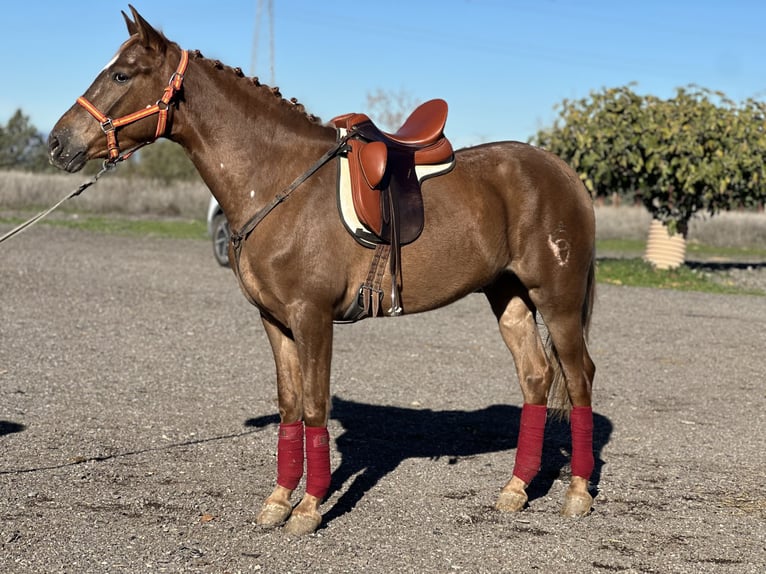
(623, 246)
(694, 250)
(165, 228)
(174, 229)
(734, 253)
(639, 273)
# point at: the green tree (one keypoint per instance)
(697, 151)
(21, 145)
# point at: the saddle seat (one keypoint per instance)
(422, 128)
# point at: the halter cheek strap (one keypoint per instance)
(110, 126)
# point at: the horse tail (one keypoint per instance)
(558, 398)
(590, 298)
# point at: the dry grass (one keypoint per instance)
(111, 195)
(731, 229)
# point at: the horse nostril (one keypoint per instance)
(53, 145)
(64, 154)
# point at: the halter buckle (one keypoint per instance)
(176, 76)
(107, 125)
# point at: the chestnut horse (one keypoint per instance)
(510, 220)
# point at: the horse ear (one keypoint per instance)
(148, 36)
(132, 29)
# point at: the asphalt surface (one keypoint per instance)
(138, 429)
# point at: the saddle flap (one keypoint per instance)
(373, 158)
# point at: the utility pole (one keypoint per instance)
(257, 37)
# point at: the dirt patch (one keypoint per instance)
(138, 429)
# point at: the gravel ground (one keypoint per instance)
(138, 428)
(749, 275)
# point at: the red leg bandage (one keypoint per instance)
(317, 461)
(290, 455)
(581, 423)
(529, 450)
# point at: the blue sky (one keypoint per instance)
(501, 64)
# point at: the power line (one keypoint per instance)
(257, 38)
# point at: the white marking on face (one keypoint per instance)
(111, 62)
(221, 165)
(252, 193)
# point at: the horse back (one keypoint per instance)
(505, 207)
(516, 191)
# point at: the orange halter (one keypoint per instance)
(109, 126)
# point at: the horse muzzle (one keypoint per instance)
(65, 154)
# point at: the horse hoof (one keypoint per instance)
(511, 501)
(302, 524)
(273, 515)
(577, 505)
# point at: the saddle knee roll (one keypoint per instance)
(367, 163)
(373, 158)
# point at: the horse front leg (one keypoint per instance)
(277, 507)
(302, 356)
(312, 331)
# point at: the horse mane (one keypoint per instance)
(292, 103)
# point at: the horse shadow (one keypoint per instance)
(725, 265)
(8, 427)
(377, 438)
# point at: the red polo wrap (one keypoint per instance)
(581, 423)
(529, 450)
(290, 455)
(317, 461)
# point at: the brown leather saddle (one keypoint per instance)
(383, 164)
(386, 170)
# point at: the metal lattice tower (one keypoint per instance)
(257, 38)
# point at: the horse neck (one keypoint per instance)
(246, 142)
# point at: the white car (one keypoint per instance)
(218, 229)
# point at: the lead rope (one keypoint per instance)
(28, 223)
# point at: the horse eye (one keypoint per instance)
(120, 77)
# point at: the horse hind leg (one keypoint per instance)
(567, 334)
(516, 319)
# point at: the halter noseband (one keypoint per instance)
(109, 126)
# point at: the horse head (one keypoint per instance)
(131, 89)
